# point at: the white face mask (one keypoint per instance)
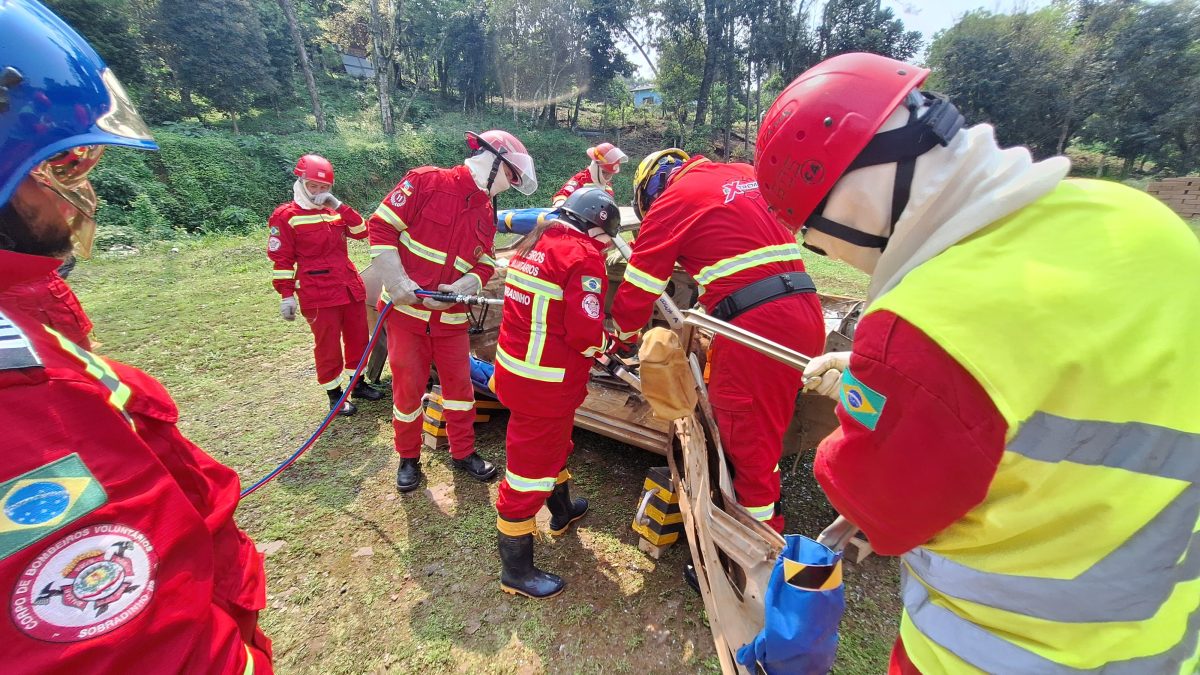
(300, 196)
(481, 168)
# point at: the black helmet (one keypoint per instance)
(591, 207)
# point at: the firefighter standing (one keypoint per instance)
(307, 243)
(711, 218)
(605, 163)
(552, 328)
(435, 231)
(1017, 419)
(118, 548)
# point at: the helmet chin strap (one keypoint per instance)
(902, 146)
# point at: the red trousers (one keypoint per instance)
(410, 355)
(754, 397)
(340, 338)
(537, 449)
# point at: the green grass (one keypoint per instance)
(204, 319)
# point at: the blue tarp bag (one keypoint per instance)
(521, 221)
(804, 604)
(481, 376)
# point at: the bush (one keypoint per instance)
(205, 180)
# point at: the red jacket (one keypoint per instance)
(118, 548)
(581, 179)
(932, 454)
(553, 323)
(444, 228)
(308, 248)
(713, 221)
(45, 296)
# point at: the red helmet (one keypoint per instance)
(608, 156)
(314, 167)
(820, 123)
(509, 150)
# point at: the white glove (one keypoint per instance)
(466, 285)
(823, 374)
(328, 200)
(396, 282)
(287, 308)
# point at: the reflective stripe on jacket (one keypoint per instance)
(443, 227)
(712, 220)
(553, 323)
(311, 260)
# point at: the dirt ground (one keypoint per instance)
(362, 580)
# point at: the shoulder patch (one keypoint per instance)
(591, 284)
(274, 231)
(87, 584)
(41, 501)
(860, 401)
(15, 349)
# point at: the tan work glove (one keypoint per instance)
(466, 285)
(396, 283)
(823, 374)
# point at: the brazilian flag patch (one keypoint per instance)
(44, 500)
(591, 284)
(862, 402)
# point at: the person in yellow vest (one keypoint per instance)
(1020, 414)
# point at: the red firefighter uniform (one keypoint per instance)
(46, 297)
(552, 329)
(713, 221)
(309, 250)
(444, 227)
(580, 180)
(118, 549)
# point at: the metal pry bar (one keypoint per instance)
(744, 337)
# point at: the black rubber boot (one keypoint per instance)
(518, 575)
(689, 575)
(347, 409)
(366, 392)
(478, 467)
(563, 509)
(408, 475)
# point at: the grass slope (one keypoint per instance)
(204, 320)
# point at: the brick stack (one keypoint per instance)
(1181, 194)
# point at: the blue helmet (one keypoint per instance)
(55, 94)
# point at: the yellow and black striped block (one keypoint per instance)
(664, 522)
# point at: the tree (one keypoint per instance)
(106, 25)
(310, 82)
(218, 51)
(1149, 109)
(383, 49)
(1009, 70)
(863, 26)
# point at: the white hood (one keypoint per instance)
(956, 190)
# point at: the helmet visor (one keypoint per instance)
(122, 118)
(521, 165)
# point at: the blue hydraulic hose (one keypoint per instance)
(333, 410)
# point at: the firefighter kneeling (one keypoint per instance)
(552, 328)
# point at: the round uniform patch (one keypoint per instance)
(86, 584)
(591, 305)
(397, 199)
(273, 244)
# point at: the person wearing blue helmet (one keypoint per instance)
(118, 548)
